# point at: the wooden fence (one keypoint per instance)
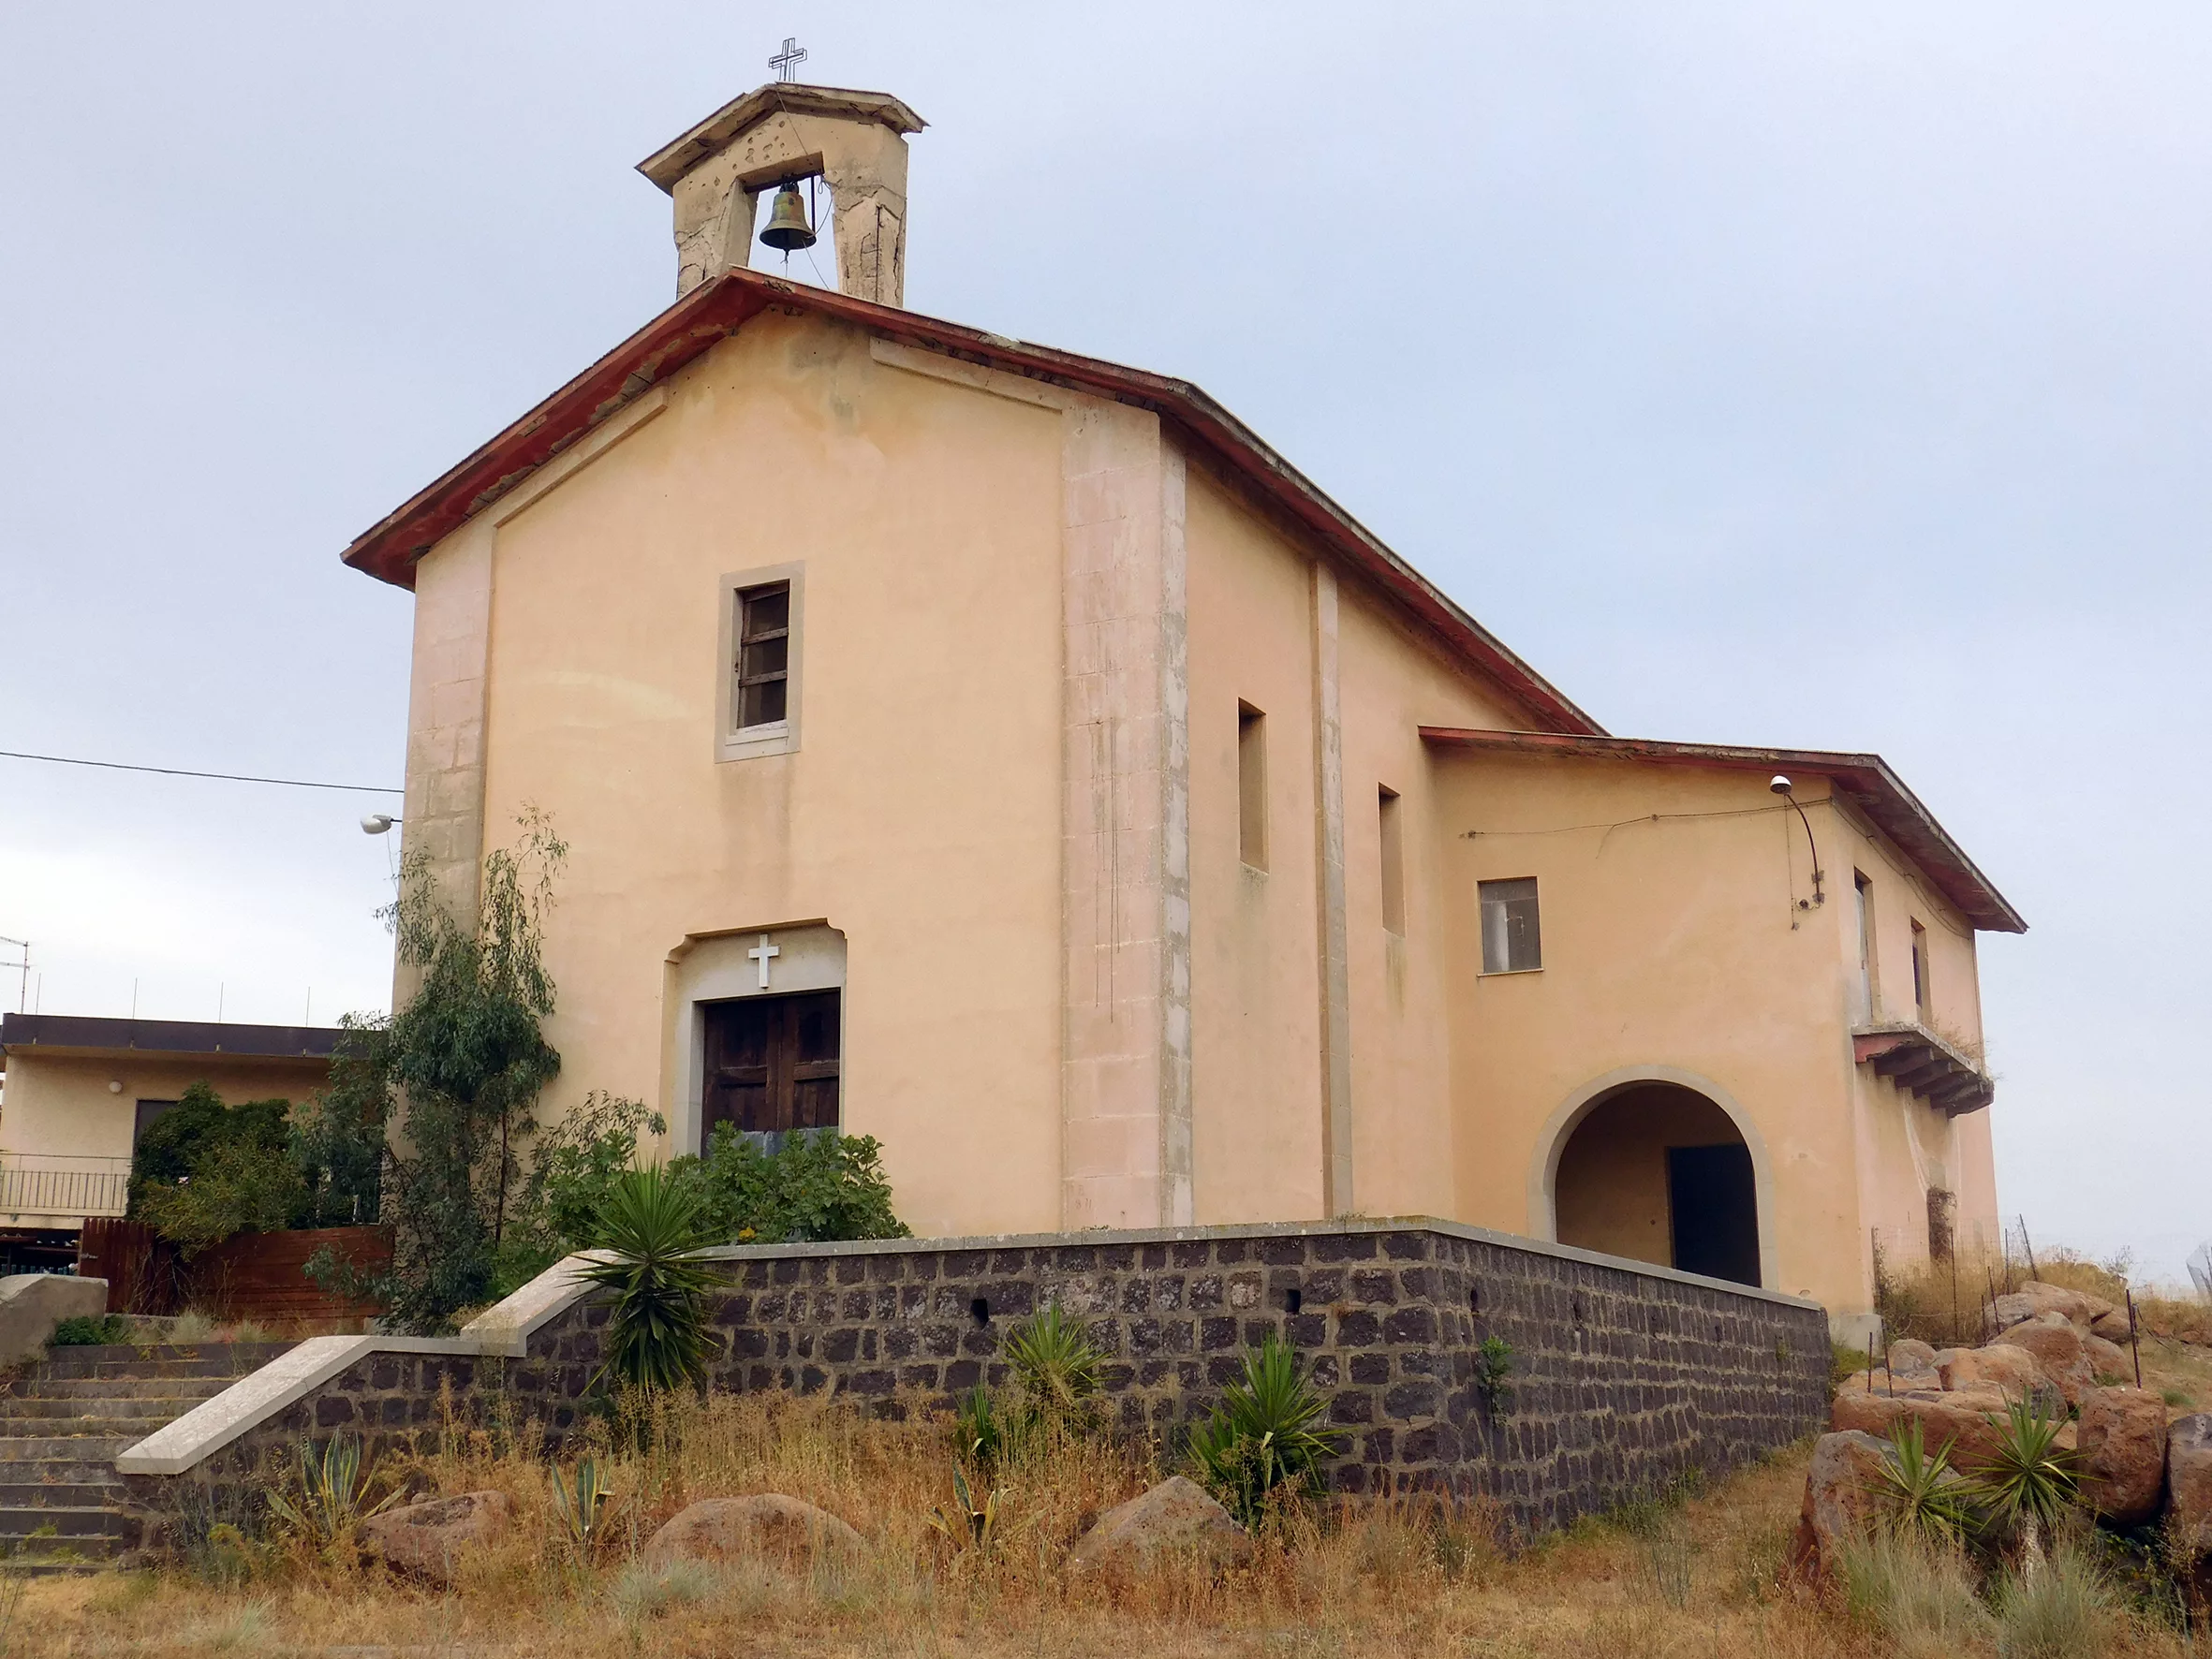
(257, 1276)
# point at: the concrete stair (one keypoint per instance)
(63, 1421)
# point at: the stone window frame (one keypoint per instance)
(732, 741)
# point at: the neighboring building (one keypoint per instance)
(78, 1092)
(1006, 754)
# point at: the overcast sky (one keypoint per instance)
(1825, 376)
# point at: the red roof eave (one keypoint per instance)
(1864, 779)
(717, 309)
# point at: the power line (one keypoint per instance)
(178, 772)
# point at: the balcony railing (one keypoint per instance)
(39, 1183)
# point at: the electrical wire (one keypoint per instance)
(178, 772)
(1745, 811)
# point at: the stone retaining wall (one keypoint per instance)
(1622, 1377)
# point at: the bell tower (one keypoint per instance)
(784, 133)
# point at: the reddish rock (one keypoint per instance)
(1962, 1421)
(1841, 1492)
(2078, 1306)
(2189, 1485)
(2002, 1366)
(427, 1540)
(2122, 1440)
(2111, 1327)
(1912, 1355)
(1176, 1516)
(761, 1525)
(2056, 1344)
(2108, 1359)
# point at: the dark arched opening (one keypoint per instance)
(1656, 1172)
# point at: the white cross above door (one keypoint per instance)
(761, 953)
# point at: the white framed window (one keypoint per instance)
(1512, 938)
(758, 699)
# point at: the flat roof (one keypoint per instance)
(1864, 779)
(76, 1033)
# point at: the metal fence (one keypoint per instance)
(76, 1187)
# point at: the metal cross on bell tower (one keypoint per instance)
(792, 55)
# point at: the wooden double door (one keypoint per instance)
(772, 1064)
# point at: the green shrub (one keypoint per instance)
(203, 1171)
(657, 1337)
(90, 1330)
(1266, 1441)
(813, 1186)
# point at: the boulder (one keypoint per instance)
(32, 1304)
(2079, 1307)
(426, 1540)
(2008, 1311)
(2107, 1360)
(2002, 1366)
(1891, 1381)
(763, 1525)
(2056, 1344)
(1841, 1492)
(2189, 1485)
(1912, 1355)
(2112, 1326)
(1176, 1516)
(2122, 1442)
(1962, 1420)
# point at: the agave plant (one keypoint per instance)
(1265, 1439)
(971, 1525)
(2028, 1482)
(334, 1493)
(1055, 1364)
(1923, 1490)
(652, 1258)
(581, 1507)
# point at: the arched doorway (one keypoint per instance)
(1658, 1172)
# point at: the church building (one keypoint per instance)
(1007, 755)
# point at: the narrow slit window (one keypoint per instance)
(1513, 941)
(1920, 990)
(1251, 786)
(762, 671)
(1864, 891)
(1394, 860)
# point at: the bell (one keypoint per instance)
(787, 227)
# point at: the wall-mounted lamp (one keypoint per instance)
(1780, 786)
(378, 823)
(116, 1086)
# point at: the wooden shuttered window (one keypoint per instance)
(761, 674)
(772, 1064)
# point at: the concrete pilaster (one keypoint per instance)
(1126, 875)
(1333, 948)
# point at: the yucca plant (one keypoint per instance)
(1265, 1440)
(651, 1257)
(2028, 1482)
(1922, 1489)
(977, 1431)
(334, 1493)
(1055, 1364)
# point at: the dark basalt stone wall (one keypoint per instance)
(1622, 1378)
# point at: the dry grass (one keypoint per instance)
(1701, 1579)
